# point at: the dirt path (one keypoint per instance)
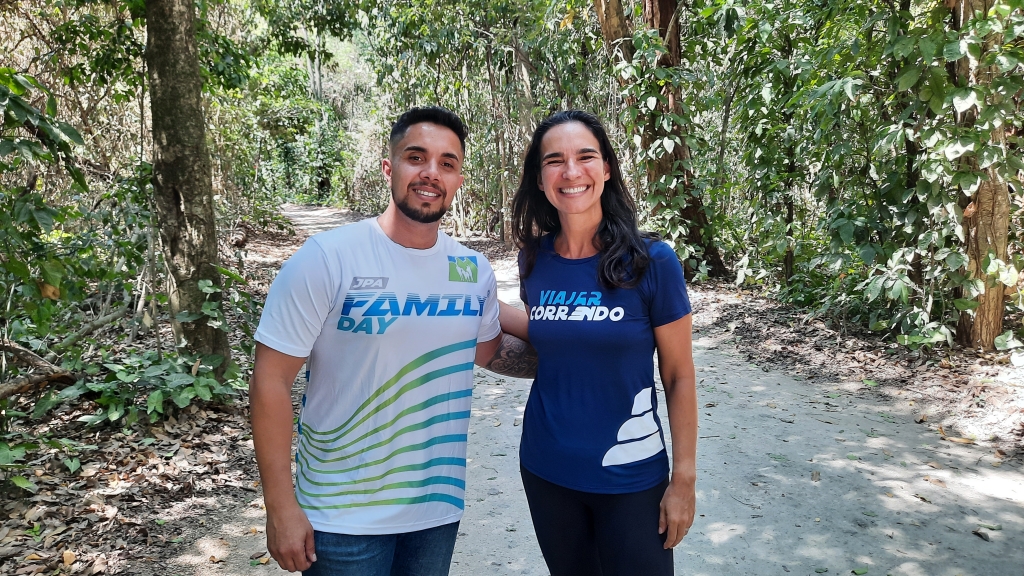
(794, 477)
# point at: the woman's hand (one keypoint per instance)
(677, 509)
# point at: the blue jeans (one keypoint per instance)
(422, 553)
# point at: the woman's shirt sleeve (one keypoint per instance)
(665, 286)
(522, 284)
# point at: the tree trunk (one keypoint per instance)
(789, 185)
(182, 184)
(669, 173)
(789, 260)
(723, 134)
(986, 220)
(615, 29)
(504, 231)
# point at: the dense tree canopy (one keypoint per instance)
(858, 158)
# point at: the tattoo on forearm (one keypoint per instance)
(515, 358)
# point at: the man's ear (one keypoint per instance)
(385, 168)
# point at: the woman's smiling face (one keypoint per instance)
(572, 170)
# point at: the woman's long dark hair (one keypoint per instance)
(624, 257)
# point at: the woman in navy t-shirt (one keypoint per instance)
(601, 297)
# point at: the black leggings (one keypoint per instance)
(588, 534)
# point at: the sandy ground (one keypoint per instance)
(794, 477)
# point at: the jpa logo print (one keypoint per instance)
(462, 269)
(368, 283)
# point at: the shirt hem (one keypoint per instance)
(639, 487)
(669, 319)
(379, 530)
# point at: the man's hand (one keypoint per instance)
(290, 539)
(289, 533)
(677, 509)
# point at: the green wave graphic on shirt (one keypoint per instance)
(447, 438)
(432, 497)
(411, 385)
(439, 399)
(390, 383)
(421, 483)
(437, 419)
(442, 461)
(312, 442)
(431, 481)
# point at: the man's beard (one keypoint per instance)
(417, 214)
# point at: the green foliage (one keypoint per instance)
(33, 134)
(837, 149)
(850, 114)
(149, 386)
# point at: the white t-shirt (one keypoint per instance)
(391, 335)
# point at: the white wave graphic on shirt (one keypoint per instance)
(638, 437)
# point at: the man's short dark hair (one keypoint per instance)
(432, 114)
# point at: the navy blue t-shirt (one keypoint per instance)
(591, 421)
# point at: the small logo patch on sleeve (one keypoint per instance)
(462, 269)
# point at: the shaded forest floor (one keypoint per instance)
(182, 496)
(966, 395)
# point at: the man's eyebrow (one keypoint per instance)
(422, 150)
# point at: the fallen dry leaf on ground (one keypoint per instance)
(958, 440)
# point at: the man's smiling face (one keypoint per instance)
(424, 171)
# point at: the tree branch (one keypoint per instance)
(24, 354)
(87, 328)
(26, 383)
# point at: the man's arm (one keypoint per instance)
(289, 533)
(510, 354)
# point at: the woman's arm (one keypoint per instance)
(675, 362)
(513, 321)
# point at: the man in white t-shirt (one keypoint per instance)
(392, 314)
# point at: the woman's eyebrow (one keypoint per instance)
(559, 154)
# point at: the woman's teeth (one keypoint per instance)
(574, 190)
